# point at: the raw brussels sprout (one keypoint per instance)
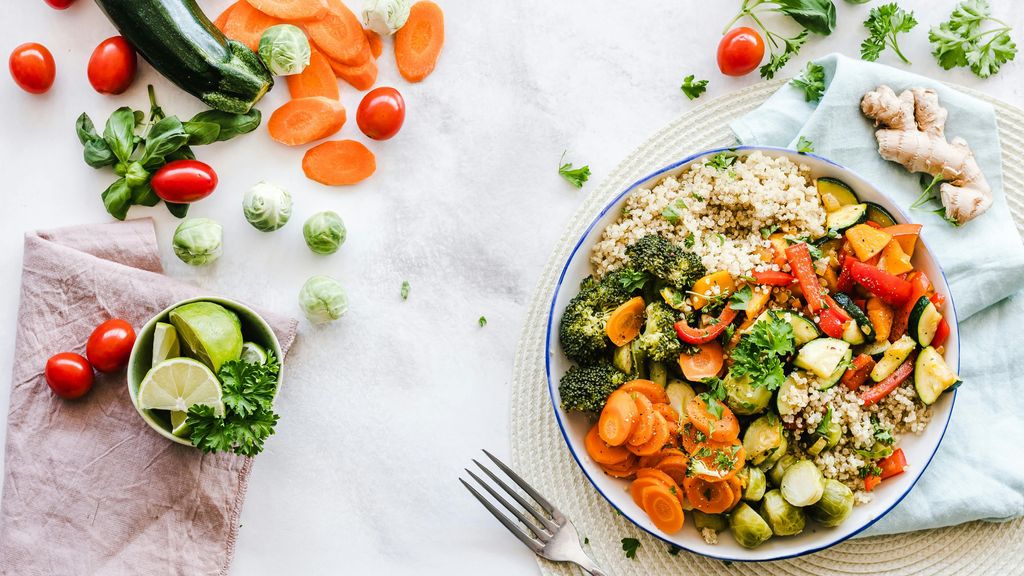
(198, 241)
(323, 299)
(784, 518)
(802, 483)
(743, 397)
(325, 232)
(762, 438)
(779, 469)
(385, 17)
(747, 527)
(716, 522)
(267, 206)
(284, 49)
(835, 505)
(754, 483)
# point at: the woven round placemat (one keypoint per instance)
(540, 454)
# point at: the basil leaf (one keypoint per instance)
(183, 153)
(818, 16)
(85, 129)
(164, 138)
(135, 175)
(97, 154)
(119, 133)
(143, 195)
(231, 125)
(118, 199)
(177, 210)
(201, 133)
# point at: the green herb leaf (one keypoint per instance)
(767, 231)
(884, 23)
(826, 422)
(119, 133)
(633, 280)
(818, 16)
(97, 154)
(811, 81)
(960, 41)
(693, 88)
(759, 353)
(405, 290)
(117, 199)
(164, 138)
(630, 545)
(791, 47)
(85, 129)
(575, 176)
(740, 299)
(804, 146)
(721, 161)
(672, 212)
(230, 125)
(689, 240)
(177, 210)
(482, 321)
(143, 195)
(201, 133)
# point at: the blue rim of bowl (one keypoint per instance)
(551, 315)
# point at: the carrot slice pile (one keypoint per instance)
(376, 44)
(618, 418)
(652, 390)
(361, 77)
(291, 9)
(247, 24)
(600, 452)
(723, 429)
(664, 508)
(316, 80)
(304, 120)
(645, 422)
(418, 43)
(340, 163)
(340, 35)
(708, 497)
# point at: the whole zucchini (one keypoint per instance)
(177, 39)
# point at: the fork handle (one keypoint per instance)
(584, 561)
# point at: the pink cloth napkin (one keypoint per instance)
(88, 487)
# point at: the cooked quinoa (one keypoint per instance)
(725, 211)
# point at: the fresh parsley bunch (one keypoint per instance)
(884, 23)
(811, 81)
(961, 41)
(248, 420)
(759, 354)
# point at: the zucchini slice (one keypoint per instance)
(822, 356)
(880, 215)
(803, 329)
(837, 375)
(932, 376)
(858, 315)
(875, 348)
(852, 333)
(838, 190)
(924, 321)
(846, 217)
(893, 357)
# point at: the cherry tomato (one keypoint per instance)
(32, 67)
(60, 4)
(740, 51)
(69, 375)
(112, 66)
(110, 344)
(184, 181)
(381, 113)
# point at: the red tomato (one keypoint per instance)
(112, 66)
(110, 344)
(60, 4)
(184, 181)
(740, 51)
(381, 113)
(32, 67)
(69, 375)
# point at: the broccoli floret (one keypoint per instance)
(582, 331)
(659, 340)
(586, 388)
(659, 257)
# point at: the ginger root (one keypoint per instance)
(911, 134)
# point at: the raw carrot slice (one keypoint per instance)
(316, 80)
(624, 469)
(222, 20)
(247, 25)
(652, 390)
(340, 35)
(658, 441)
(376, 44)
(419, 42)
(663, 507)
(618, 418)
(675, 466)
(644, 429)
(708, 497)
(292, 9)
(304, 120)
(339, 163)
(361, 77)
(723, 429)
(707, 362)
(624, 323)
(601, 452)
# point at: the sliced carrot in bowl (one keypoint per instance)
(624, 323)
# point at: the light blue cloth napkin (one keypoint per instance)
(978, 473)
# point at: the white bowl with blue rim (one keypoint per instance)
(919, 449)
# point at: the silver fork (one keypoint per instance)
(551, 536)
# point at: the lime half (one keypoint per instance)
(209, 332)
(165, 343)
(178, 383)
(178, 426)
(253, 353)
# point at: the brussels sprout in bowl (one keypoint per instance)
(825, 508)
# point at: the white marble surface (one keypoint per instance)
(382, 410)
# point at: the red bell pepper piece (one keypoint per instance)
(941, 333)
(894, 464)
(845, 282)
(856, 375)
(891, 289)
(831, 322)
(829, 302)
(939, 299)
(870, 481)
(799, 257)
(919, 286)
(892, 382)
(773, 278)
(705, 335)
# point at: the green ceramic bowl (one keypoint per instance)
(254, 329)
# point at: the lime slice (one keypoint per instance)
(253, 353)
(165, 343)
(178, 426)
(209, 332)
(178, 383)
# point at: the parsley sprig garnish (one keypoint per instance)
(693, 88)
(811, 81)
(247, 391)
(714, 396)
(759, 354)
(884, 23)
(960, 41)
(575, 176)
(804, 146)
(629, 545)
